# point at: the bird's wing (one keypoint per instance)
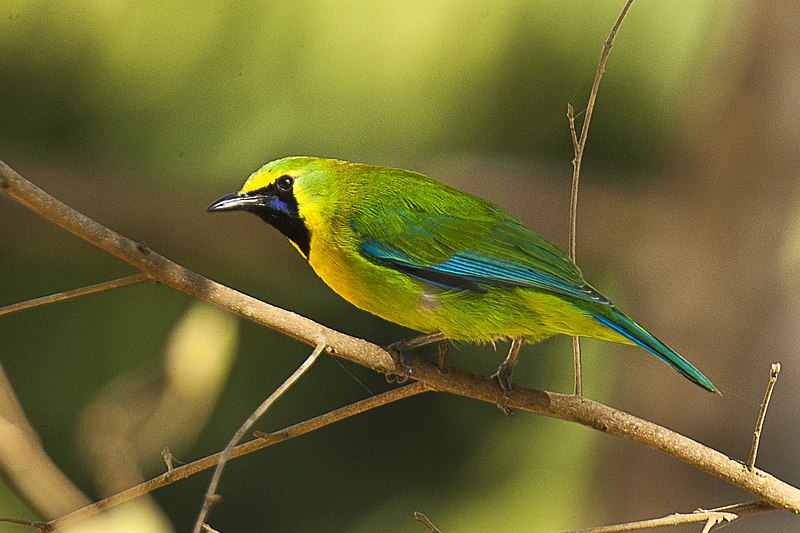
(469, 253)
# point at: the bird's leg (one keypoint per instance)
(505, 369)
(401, 350)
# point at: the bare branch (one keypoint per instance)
(575, 146)
(577, 365)
(579, 146)
(566, 407)
(66, 295)
(711, 517)
(211, 496)
(573, 233)
(41, 526)
(264, 440)
(762, 414)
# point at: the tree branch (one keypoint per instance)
(262, 441)
(578, 147)
(211, 494)
(711, 517)
(774, 370)
(420, 517)
(67, 295)
(566, 407)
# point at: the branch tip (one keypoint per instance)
(420, 517)
(774, 370)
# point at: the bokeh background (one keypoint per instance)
(139, 114)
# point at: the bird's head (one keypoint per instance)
(284, 193)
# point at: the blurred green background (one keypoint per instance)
(139, 114)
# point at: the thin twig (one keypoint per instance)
(264, 440)
(566, 407)
(577, 365)
(579, 146)
(211, 495)
(774, 370)
(711, 517)
(74, 293)
(420, 517)
(23, 522)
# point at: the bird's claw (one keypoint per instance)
(503, 377)
(402, 360)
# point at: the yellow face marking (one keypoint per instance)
(295, 167)
(263, 177)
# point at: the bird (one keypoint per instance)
(434, 259)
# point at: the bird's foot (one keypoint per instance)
(402, 360)
(401, 352)
(503, 377)
(504, 371)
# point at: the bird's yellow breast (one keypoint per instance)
(374, 288)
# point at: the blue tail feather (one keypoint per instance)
(632, 331)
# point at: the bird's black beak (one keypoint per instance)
(236, 202)
(278, 209)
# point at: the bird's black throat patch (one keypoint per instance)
(279, 209)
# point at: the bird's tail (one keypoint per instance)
(619, 322)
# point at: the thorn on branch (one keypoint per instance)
(573, 133)
(442, 357)
(166, 454)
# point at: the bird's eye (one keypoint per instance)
(284, 183)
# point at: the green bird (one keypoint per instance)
(434, 259)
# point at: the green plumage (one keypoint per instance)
(419, 253)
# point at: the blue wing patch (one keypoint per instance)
(470, 272)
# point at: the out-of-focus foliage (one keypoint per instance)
(197, 90)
